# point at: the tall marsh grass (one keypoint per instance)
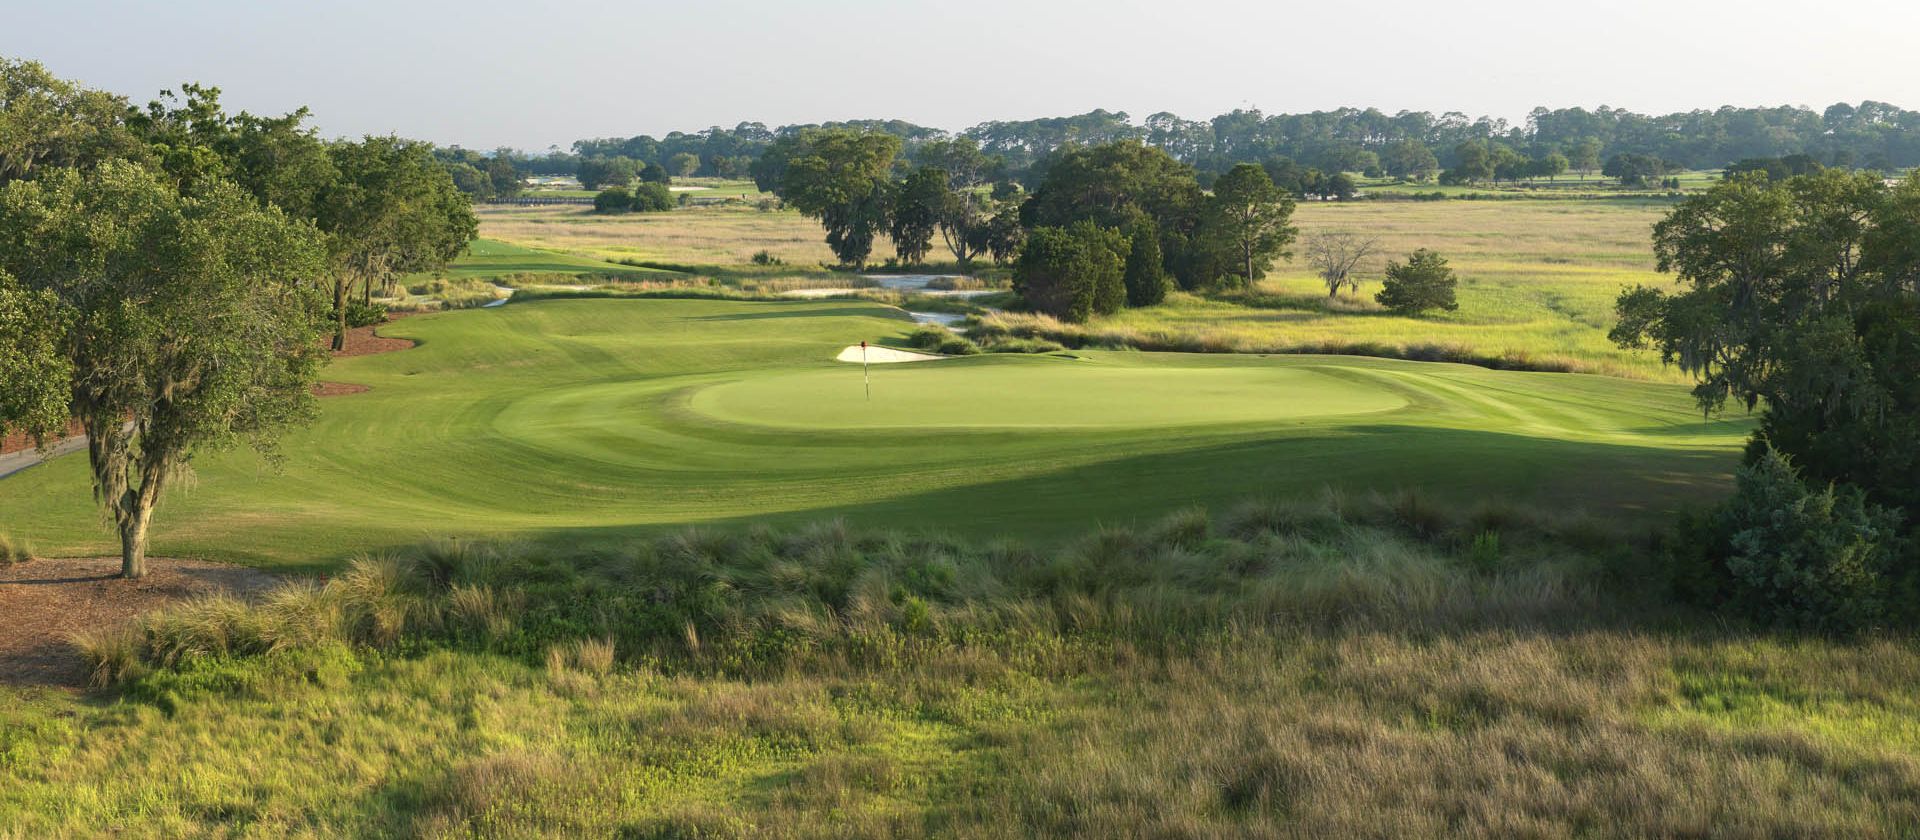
(764, 599)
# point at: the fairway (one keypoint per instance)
(599, 420)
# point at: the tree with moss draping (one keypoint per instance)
(1800, 299)
(167, 323)
(838, 176)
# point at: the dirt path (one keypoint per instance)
(45, 602)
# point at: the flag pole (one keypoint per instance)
(866, 375)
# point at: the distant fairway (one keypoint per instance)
(601, 419)
(493, 258)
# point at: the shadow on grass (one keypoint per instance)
(1452, 468)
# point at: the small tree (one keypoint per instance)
(654, 173)
(1424, 283)
(1146, 276)
(1335, 254)
(683, 164)
(613, 200)
(167, 324)
(1248, 215)
(1072, 273)
(916, 207)
(652, 197)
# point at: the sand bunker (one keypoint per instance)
(883, 355)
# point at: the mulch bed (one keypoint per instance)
(45, 602)
(363, 341)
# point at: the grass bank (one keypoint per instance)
(1353, 666)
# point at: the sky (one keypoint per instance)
(482, 73)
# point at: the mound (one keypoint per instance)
(46, 602)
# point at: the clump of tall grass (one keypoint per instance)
(998, 327)
(766, 599)
(14, 551)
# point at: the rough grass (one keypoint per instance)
(1357, 666)
(13, 551)
(726, 236)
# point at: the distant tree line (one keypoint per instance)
(1414, 145)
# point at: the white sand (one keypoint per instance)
(884, 355)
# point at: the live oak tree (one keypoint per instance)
(1409, 160)
(1117, 184)
(1335, 254)
(167, 323)
(47, 122)
(837, 176)
(1423, 283)
(965, 214)
(915, 211)
(1800, 298)
(392, 209)
(1249, 215)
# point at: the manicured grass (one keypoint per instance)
(584, 420)
(492, 258)
(741, 188)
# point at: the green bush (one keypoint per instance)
(940, 340)
(1794, 556)
(764, 257)
(613, 200)
(652, 198)
(365, 314)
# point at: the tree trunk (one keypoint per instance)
(340, 313)
(133, 544)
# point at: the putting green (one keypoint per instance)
(604, 419)
(1051, 393)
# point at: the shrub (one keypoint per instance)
(652, 198)
(1423, 283)
(1021, 345)
(365, 314)
(940, 340)
(14, 551)
(765, 257)
(613, 200)
(1794, 556)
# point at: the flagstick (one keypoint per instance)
(866, 375)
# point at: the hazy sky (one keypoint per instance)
(482, 73)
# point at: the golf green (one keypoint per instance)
(1067, 393)
(598, 420)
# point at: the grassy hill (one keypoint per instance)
(594, 420)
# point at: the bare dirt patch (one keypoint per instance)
(335, 389)
(45, 602)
